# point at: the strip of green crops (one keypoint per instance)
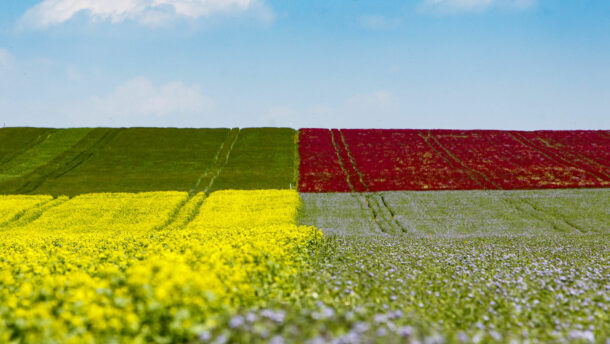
(13, 141)
(262, 158)
(145, 159)
(40, 154)
(460, 213)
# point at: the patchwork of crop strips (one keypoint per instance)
(102, 267)
(396, 289)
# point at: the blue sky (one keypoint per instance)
(506, 64)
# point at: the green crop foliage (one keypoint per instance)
(460, 213)
(40, 154)
(127, 160)
(16, 140)
(262, 158)
(399, 289)
(76, 161)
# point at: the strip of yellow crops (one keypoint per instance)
(125, 266)
(12, 205)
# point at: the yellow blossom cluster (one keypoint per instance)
(148, 267)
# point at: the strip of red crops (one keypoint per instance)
(383, 160)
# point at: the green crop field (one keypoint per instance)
(262, 158)
(460, 213)
(16, 140)
(75, 161)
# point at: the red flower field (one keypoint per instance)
(383, 160)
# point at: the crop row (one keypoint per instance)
(384, 160)
(149, 267)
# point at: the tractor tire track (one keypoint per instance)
(444, 153)
(548, 142)
(59, 166)
(552, 156)
(39, 139)
(530, 210)
(377, 205)
(32, 214)
(188, 209)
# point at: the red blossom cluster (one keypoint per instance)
(383, 160)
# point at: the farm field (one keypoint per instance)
(407, 236)
(389, 160)
(150, 159)
(154, 266)
(474, 213)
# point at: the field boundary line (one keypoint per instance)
(449, 161)
(296, 160)
(34, 213)
(573, 155)
(553, 156)
(31, 184)
(35, 142)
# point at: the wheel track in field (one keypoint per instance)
(39, 139)
(549, 143)
(446, 155)
(33, 213)
(48, 171)
(554, 156)
(523, 206)
(188, 209)
(383, 216)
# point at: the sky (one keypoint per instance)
(455, 64)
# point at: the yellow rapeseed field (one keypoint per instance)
(13, 205)
(144, 267)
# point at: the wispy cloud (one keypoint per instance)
(456, 6)
(6, 59)
(147, 12)
(372, 109)
(379, 22)
(140, 101)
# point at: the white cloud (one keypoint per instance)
(475, 5)
(6, 59)
(139, 102)
(148, 12)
